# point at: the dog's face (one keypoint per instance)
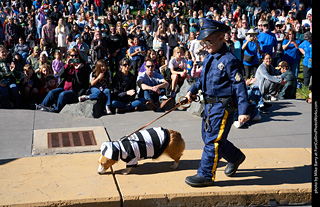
(104, 164)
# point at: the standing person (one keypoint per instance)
(306, 49)
(267, 41)
(137, 54)
(62, 32)
(48, 32)
(223, 86)
(291, 53)
(251, 49)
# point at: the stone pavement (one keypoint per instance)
(278, 164)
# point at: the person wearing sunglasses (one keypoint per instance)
(267, 41)
(152, 86)
(224, 90)
(124, 89)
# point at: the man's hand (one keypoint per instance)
(243, 118)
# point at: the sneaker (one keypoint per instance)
(108, 110)
(83, 98)
(274, 98)
(40, 107)
(263, 110)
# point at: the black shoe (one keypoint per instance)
(263, 110)
(198, 181)
(40, 107)
(233, 167)
(267, 105)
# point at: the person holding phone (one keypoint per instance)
(251, 49)
(75, 82)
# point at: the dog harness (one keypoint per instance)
(143, 144)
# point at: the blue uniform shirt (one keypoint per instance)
(291, 54)
(267, 41)
(223, 79)
(251, 50)
(307, 47)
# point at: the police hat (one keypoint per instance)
(207, 26)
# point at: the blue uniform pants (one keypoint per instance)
(216, 125)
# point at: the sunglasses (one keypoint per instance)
(149, 66)
(125, 65)
(74, 56)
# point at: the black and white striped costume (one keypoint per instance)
(144, 144)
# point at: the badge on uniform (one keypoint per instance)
(221, 66)
(238, 77)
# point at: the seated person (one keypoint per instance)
(100, 82)
(75, 82)
(124, 85)
(29, 86)
(288, 91)
(268, 79)
(152, 85)
(178, 68)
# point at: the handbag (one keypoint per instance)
(248, 58)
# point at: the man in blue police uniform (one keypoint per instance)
(224, 90)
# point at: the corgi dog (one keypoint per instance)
(149, 143)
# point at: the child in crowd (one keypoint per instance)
(44, 72)
(189, 63)
(50, 85)
(178, 68)
(57, 65)
(29, 86)
(100, 82)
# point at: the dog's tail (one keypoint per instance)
(176, 146)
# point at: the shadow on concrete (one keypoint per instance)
(164, 167)
(275, 112)
(5, 161)
(270, 176)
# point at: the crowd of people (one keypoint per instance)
(54, 53)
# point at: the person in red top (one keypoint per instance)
(75, 82)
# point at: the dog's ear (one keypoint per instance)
(102, 159)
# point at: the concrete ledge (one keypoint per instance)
(283, 174)
(61, 180)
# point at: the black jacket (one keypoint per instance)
(122, 85)
(80, 79)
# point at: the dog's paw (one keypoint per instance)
(174, 166)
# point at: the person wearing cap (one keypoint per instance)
(288, 90)
(224, 90)
(251, 48)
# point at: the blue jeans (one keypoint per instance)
(255, 95)
(11, 93)
(149, 95)
(61, 96)
(128, 106)
(97, 93)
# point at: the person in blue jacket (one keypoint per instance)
(224, 90)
